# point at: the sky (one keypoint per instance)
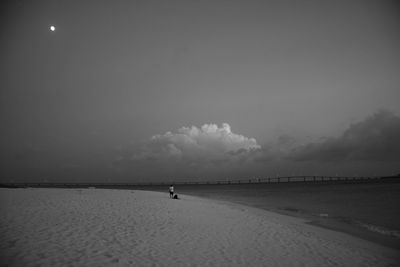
(135, 91)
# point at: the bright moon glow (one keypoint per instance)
(52, 28)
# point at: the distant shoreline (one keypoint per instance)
(270, 180)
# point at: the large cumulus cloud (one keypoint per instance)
(204, 149)
(207, 142)
(377, 138)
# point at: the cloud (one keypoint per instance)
(207, 148)
(210, 152)
(209, 142)
(377, 138)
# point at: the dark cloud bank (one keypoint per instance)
(377, 138)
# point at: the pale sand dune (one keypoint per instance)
(95, 227)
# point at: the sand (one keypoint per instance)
(103, 227)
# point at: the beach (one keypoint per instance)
(104, 227)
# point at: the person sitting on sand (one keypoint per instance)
(176, 196)
(171, 191)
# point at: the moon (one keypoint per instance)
(52, 28)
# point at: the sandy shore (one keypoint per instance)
(96, 227)
(368, 210)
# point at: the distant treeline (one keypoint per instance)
(285, 179)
